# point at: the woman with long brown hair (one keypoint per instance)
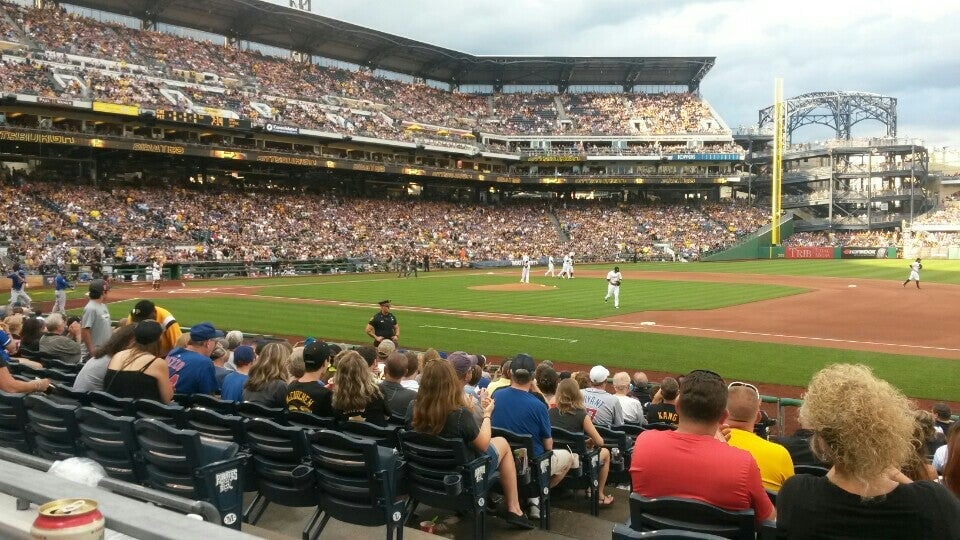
(138, 372)
(356, 395)
(440, 409)
(951, 469)
(570, 414)
(267, 381)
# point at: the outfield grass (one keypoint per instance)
(934, 271)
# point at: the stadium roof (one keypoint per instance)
(280, 26)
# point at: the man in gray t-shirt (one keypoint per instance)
(604, 408)
(95, 324)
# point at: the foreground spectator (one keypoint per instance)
(191, 369)
(694, 461)
(917, 466)
(54, 343)
(663, 409)
(411, 379)
(798, 446)
(308, 392)
(570, 414)
(743, 408)
(139, 372)
(395, 395)
(267, 380)
(631, 407)
(90, 378)
(145, 310)
(7, 382)
(243, 358)
(943, 419)
(951, 460)
(603, 407)
(356, 396)
(95, 324)
(864, 495)
(439, 410)
(641, 388)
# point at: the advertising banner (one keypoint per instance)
(809, 252)
(863, 252)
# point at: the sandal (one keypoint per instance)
(607, 500)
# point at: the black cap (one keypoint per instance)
(522, 361)
(144, 310)
(147, 332)
(315, 354)
(384, 303)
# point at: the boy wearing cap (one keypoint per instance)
(145, 310)
(191, 369)
(308, 393)
(243, 357)
(95, 324)
(603, 407)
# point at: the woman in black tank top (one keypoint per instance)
(138, 372)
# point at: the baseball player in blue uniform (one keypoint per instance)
(60, 286)
(18, 284)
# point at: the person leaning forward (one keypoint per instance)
(383, 325)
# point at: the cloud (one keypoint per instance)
(888, 47)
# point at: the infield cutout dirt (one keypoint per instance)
(514, 287)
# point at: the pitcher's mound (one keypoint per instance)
(513, 287)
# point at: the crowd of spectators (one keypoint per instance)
(875, 238)
(319, 97)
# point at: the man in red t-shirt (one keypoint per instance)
(695, 462)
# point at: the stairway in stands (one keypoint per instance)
(564, 238)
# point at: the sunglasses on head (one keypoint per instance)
(747, 385)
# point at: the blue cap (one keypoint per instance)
(243, 355)
(204, 331)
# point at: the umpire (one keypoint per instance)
(383, 325)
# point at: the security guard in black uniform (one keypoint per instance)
(383, 325)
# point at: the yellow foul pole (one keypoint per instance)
(779, 134)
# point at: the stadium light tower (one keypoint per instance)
(305, 5)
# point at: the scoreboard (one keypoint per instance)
(201, 119)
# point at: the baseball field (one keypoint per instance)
(774, 322)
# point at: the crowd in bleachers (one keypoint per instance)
(877, 238)
(313, 96)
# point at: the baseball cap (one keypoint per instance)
(243, 355)
(315, 354)
(522, 361)
(384, 303)
(204, 331)
(144, 309)
(385, 348)
(462, 362)
(147, 332)
(599, 374)
(97, 287)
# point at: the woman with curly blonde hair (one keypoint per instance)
(356, 395)
(267, 381)
(865, 427)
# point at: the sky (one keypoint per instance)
(906, 50)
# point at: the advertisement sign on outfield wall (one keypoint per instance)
(809, 252)
(863, 253)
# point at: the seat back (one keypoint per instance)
(176, 461)
(384, 436)
(624, 532)
(50, 362)
(111, 404)
(357, 479)
(632, 430)
(254, 410)
(171, 414)
(60, 377)
(13, 423)
(430, 459)
(535, 480)
(66, 395)
(690, 515)
(213, 403)
(276, 451)
(587, 475)
(54, 428)
(620, 446)
(309, 421)
(214, 425)
(110, 441)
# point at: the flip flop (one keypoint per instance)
(607, 500)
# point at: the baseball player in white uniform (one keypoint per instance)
(155, 272)
(549, 271)
(565, 270)
(614, 277)
(915, 268)
(525, 269)
(570, 269)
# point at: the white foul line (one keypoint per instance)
(493, 332)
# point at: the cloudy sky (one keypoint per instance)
(907, 50)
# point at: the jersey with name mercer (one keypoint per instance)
(614, 278)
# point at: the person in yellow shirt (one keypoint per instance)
(743, 408)
(145, 310)
(504, 379)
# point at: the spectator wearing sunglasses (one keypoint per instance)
(695, 462)
(743, 410)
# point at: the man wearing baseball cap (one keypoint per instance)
(603, 407)
(383, 325)
(191, 369)
(308, 393)
(145, 310)
(95, 325)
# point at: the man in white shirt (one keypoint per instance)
(614, 277)
(632, 408)
(525, 269)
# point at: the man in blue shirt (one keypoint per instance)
(521, 412)
(18, 284)
(191, 369)
(60, 286)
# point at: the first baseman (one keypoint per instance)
(614, 277)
